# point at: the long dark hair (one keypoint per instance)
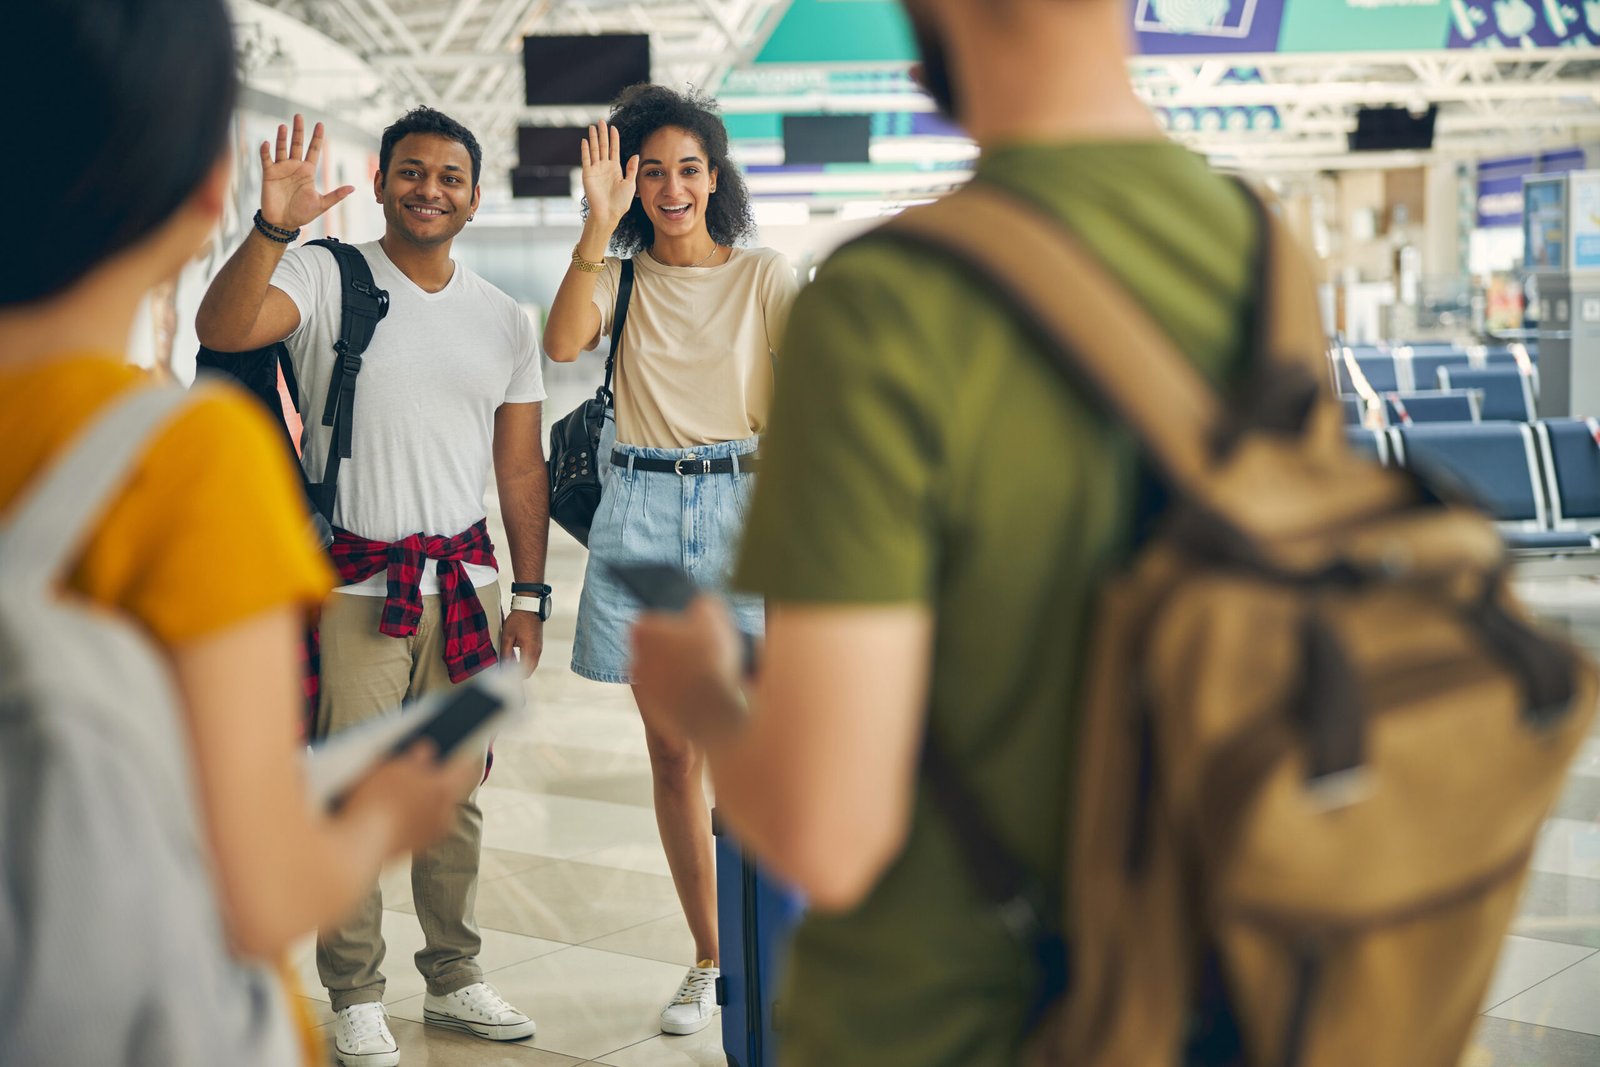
(642, 110)
(137, 98)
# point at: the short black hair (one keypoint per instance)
(640, 111)
(139, 98)
(427, 120)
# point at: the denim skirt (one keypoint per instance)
(693, 521)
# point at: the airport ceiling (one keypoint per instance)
(1286, 113)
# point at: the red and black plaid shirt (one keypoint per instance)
(467, 645)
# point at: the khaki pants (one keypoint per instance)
(365, 673)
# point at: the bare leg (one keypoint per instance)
(684, 821)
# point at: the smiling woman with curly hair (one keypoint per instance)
(637, 114)
(693, 384)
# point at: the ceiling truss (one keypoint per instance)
(1288, 113)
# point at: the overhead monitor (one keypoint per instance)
(542, 181)
(590, 69)
(550, 146)
(827, 139)
(1392, 129)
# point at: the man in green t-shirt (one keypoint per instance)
(937, 508)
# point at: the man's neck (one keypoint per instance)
(1047, 72)
(430, 267)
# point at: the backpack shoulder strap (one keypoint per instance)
(363, 304)
(362, 307)
(49, 525)
(1103, 339)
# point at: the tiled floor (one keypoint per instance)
(582, 928)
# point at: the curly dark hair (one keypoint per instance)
(640, 111)
(427, 120)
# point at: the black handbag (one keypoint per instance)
(575, 459)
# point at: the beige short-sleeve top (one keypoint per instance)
(697, 357)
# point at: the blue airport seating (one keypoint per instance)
(1494, 463)
(1353, 408)
(1571, 458)
(1460, 405)
(1381, 372)
(1507, 392)
(1376, 365)
(1425, 366)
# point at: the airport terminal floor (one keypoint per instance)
(582, 929)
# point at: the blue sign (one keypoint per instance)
(1500, 182)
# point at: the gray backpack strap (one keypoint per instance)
(50, 523)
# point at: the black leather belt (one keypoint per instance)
(687, 465)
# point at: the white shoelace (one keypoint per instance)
(696, 986)
(483, 998)
(365, 1021)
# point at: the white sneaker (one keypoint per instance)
(361, 1037)
(477, 1010)
(695, 1003)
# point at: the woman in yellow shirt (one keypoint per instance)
(207, 545)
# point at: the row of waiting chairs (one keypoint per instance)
(1416, 369)
(1540, 481)
(1494, 394)
(1396, 409)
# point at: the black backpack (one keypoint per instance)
(363, 306)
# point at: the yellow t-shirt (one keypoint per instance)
(208, 532)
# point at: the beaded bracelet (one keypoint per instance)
(274, 233)
(585, 265)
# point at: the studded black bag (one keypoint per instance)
(575, 439)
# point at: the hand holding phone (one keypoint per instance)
(657, 586)
(463, 712)
(663, 587)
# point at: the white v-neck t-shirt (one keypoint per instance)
(439, 366)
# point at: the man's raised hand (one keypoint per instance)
(289, 197)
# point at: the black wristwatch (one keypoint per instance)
(533, 589)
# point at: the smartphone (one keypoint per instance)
(463, 712)
(663, 587)
(657, 586)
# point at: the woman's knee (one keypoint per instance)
(674, 762)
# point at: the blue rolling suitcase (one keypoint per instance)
(755, 917)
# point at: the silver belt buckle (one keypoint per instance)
(677, 465)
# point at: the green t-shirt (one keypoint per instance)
(922, 449)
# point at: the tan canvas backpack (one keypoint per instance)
(1319, 735)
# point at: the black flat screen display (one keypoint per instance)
(590, 69)
(542, 181)
(827, 139)
(1391, 129)
(550, 146)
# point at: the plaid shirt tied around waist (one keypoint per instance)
(467, 645)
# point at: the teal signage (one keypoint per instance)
(875, 32)
(1364, 25)
(841, 31)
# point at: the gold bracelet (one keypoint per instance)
(586, 266)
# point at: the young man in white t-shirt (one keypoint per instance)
(449, 386)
